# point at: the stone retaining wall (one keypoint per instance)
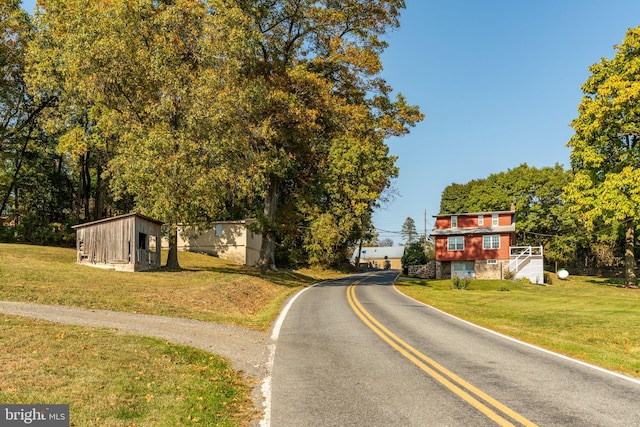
(426, 271)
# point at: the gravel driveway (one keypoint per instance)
(246, 349)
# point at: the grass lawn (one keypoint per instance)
(208, 288)
(120, 380)
(586, 318)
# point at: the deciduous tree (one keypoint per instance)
(19, 112)
(318, 65)
(151, 83)
(538, 194)
(605, 149)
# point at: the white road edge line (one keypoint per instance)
(526, 344)
(266, 383)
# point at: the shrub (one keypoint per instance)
(461, 282)
(34, 231)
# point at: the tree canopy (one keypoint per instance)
(322, 116)
(538, 195)
(192, 111)
(149, 89)
(35, 190)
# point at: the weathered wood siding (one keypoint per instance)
(122, 243)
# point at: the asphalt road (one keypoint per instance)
(356, 352)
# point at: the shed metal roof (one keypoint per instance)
(113, 218)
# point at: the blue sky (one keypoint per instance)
(499, 82)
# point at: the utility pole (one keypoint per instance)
(425, 224)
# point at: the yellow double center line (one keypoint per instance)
(447, 378)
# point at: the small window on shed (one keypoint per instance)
(142, 241)
(152, 243)
(218, 230)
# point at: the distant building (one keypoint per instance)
(129, 242)
(481, 245)
(389, 257)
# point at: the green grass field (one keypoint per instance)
(207, 289)
(118, 380)
(587, 318)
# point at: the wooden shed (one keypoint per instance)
(129, 242)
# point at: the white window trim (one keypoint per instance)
(454, 221)
(455, 240)
(495, 220)
(492, 261)
(489, 238)
(480, 220)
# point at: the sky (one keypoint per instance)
(499, 82)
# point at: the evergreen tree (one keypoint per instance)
(409, 231)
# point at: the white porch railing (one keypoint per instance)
(521, 254)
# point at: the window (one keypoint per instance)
(455, 243)
(454, 222)
(492, 261)
(480, 220)
(152, 243)
(491, 242)
(218, 230)
(142, 241)
(494, 220)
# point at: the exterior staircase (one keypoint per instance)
(527, 261)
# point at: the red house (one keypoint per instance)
(476, 245)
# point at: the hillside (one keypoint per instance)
(207, 289)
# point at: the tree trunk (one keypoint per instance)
(85, 186)
(99, 197)
(267, 259)
(359, 253)
(16, 173)
(172, 257)
(629, 257)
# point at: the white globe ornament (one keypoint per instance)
(563, 274)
